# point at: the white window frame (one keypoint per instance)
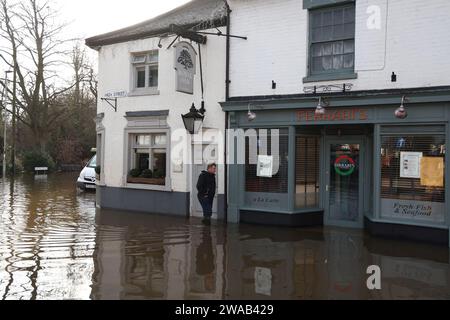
(130, 157)
(144, 60)
(151, 148)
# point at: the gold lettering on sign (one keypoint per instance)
(353, 114)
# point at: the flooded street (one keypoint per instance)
(54, 244)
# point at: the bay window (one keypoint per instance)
(148, 159)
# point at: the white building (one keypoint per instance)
(150, 77)
(357, 161)
(356, 92)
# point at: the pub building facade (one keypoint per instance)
(360, 100)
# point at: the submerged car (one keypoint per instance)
(86, 180)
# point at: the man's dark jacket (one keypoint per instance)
(206, 185)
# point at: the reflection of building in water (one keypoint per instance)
(179, 262)
(206, 269)
(406, 278)
(310, 267)
(268, 267)
(143, 257)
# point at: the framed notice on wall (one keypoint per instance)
(410, 164)
(265, 166)
(432, 172)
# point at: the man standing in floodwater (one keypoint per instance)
(206, 187)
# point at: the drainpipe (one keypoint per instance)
(227, 97)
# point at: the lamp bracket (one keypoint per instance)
(330, 88)
(112, 102)
(197, 36)
(325, 102)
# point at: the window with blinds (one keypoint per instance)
(406, 178)
(279, 182)
(332, 39)
(307, 163)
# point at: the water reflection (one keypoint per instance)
(54, 244)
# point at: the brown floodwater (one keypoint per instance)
(54, 244)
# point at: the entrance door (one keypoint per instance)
(205, 155)
(344, 176)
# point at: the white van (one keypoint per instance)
(86, 180)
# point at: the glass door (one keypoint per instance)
(344, 188)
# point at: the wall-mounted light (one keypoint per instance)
(159, 43)
(193, 120)
(251, 115)
(320, 110)
(401, 112)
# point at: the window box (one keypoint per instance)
(147, 181)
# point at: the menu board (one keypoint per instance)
(265, 166)
(410, 164)
(432, 172)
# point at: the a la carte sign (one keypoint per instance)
(185, 66)
(344, 114)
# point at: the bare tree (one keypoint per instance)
(84, 77)
(34, 51)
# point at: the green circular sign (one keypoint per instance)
(344, 166)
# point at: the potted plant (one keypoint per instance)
(146, 177)
(147, 174)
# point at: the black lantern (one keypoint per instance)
(193, 121)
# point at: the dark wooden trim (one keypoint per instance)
(287, 220)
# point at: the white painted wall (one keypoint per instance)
(115, 72)
(413, 42)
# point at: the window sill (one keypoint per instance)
(147, 187)
(329, 77)
(147, 181)
(144, 92)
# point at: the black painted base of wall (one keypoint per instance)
(310, 219)
(221, 208)
(407, 232)
(148, 201)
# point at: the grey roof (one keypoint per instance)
(201, 14)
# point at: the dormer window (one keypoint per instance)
(145, 70)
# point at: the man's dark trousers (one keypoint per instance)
(207, 206)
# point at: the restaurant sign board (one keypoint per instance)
(424, 211)
(337, 114)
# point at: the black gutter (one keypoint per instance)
(227, 97)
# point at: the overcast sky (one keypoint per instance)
(93, 17)
(88, 18)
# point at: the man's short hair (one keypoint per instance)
(211, 165)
